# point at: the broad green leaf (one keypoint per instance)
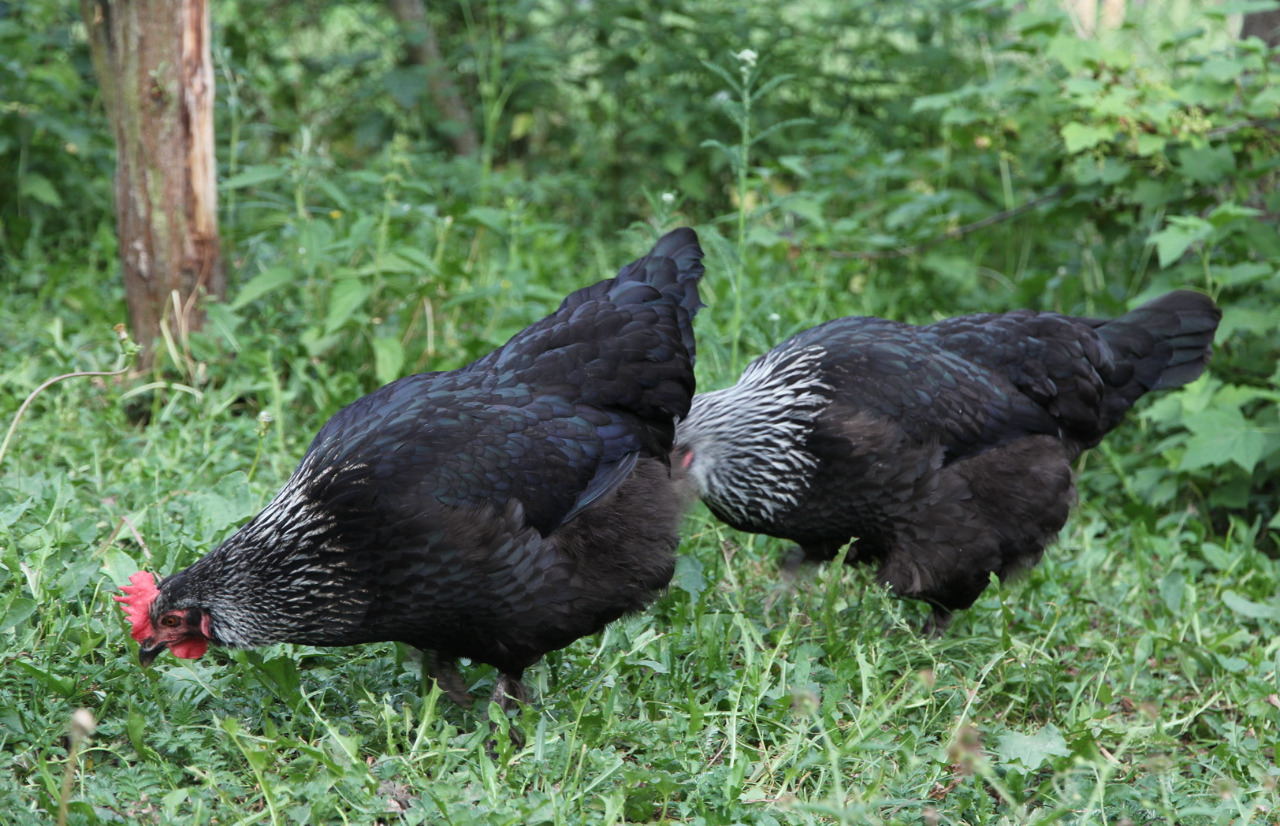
(388, 359)
(1146, 145)
(76, 576)
(1250, 609)
(19, 609)
(1246, 272)
(1258, 319)
(1032, 750)
(928, 103)
(1229, 213)
(38, 188)
(1216, 556)
(415, 257)
(1207, 165)
(1266, 103)
(960, 116)
(1172, 241)
(284, 675)
(1172, 589)
(347, 296)
(1221, 435)
(406, 86)
(1083, 86)
(11, 513)
(495, 219)
(62, 686)
(688, 576)
(253, 176)
(1074, 52)
(269, 280)
(119, 566)
(1089, 170)
(1081, 136)
(1221, 69)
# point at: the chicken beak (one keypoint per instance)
(149, 650)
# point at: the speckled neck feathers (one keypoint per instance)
(748, 442)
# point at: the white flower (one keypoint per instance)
(668, 198)
(748, 57)
(774, 317)
(265, 418)
(721, 97)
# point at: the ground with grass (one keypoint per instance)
(1129, 678)
(949, 158)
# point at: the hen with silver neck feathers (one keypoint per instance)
(944, 450)
(496, 512)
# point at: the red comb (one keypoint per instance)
(137, 601)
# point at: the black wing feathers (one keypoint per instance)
(557, 416)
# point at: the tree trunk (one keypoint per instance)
(423, 50)
(154, 66)
(1084, 14)
(1113, 12)
(1263, 24)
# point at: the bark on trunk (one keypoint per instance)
(1089, 22)
(154, 65)
(422, 49)
(1113, 12)
(1263, 24)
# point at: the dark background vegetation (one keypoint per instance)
(906, 160)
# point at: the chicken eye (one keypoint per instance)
(169, 621)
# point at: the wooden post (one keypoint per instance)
(153, 62)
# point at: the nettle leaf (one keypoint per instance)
(38, 188)
(348, 295)
(252, 176)
(1221, 435)
(388, 359)
(495, 219)
(1032, 750)
(267, 281)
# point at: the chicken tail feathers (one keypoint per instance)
(1168, 341)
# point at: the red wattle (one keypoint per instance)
(192, 648)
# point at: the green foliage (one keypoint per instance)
(55, 147)
(908, 160)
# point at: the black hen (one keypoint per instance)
(945, 449)
(494, 512)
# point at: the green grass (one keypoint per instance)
(1131, 678)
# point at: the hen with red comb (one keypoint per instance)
(496, 512)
